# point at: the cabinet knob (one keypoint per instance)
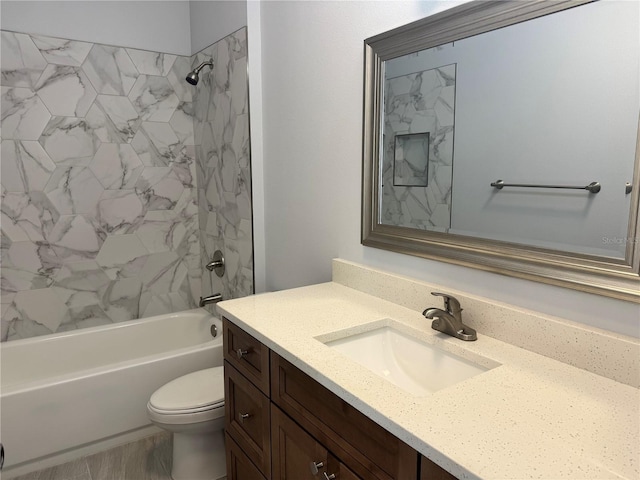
(329, 477)
(315, 467)
(243, 416)
(242, 353)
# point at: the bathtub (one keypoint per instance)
(74, 393)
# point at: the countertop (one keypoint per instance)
(530, 417)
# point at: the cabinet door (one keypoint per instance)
(239, 467)
(247, 418)
(431, 471)
(295, 454)
(337, 470)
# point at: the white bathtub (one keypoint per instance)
(70, 394)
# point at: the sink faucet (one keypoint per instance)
(449, 321)
(215, 298)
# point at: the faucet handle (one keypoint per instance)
(451, 303)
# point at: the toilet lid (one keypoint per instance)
(197, 390)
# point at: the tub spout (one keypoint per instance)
(215, 298)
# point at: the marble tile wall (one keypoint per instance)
(221, 134)
(98, 185)
(421, 102)
(118, 181)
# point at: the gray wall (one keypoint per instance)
(158, 26)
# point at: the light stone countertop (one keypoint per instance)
(530, 417)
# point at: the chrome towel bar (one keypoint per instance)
(593, 187)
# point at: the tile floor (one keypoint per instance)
(146, 459)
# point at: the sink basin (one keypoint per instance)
(416, 367)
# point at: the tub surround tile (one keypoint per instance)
(120, 211)
(182, 123)
(60, 51)
(27, 216)
(598, 351)
(159, 188)
(98, 143)
(110, 70)
(120, 300)
(69, 141)
(122, 256)
(74, 190)
(75, 238)
(28, 266)
(25, 166)
(154, 98)
(163, 272)
(24, 116)
(176, 76)
(116, 166)
(113, 119)
(152, 63)
(41, 306)
(22, 62)
(65, 90)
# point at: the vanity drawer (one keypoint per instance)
(239, 467)
(247, 355)
(247, 418)
(341, 428)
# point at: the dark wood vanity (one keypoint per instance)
(282, 424)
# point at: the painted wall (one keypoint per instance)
(312, 56)
(158, 26)
(213, 20)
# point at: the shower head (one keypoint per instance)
(193, 77)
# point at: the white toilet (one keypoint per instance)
(192, 407)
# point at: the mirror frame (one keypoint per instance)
(617, 278)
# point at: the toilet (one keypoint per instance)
(192, 408)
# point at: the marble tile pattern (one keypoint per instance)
(221, 137)
(422, 102)
(118, 180)
(99, 192)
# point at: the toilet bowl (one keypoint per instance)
(192, 408)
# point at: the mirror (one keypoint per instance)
(503, 136)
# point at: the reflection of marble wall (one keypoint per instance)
(99, 213)
(221, 125)
(419, 103)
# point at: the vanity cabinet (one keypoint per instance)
(297, 455)
(280, 424)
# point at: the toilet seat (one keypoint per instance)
(193, 398)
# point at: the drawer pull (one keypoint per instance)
(329, 477)
(242, 353)
(315, 467)
(243, 416)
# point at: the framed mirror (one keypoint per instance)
(504, 136)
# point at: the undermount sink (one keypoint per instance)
(415, 366)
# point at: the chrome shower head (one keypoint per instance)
(193, 77)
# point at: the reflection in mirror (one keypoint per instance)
(536, 101)
(551, 101)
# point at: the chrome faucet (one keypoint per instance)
(215, 298)
(449, 321)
